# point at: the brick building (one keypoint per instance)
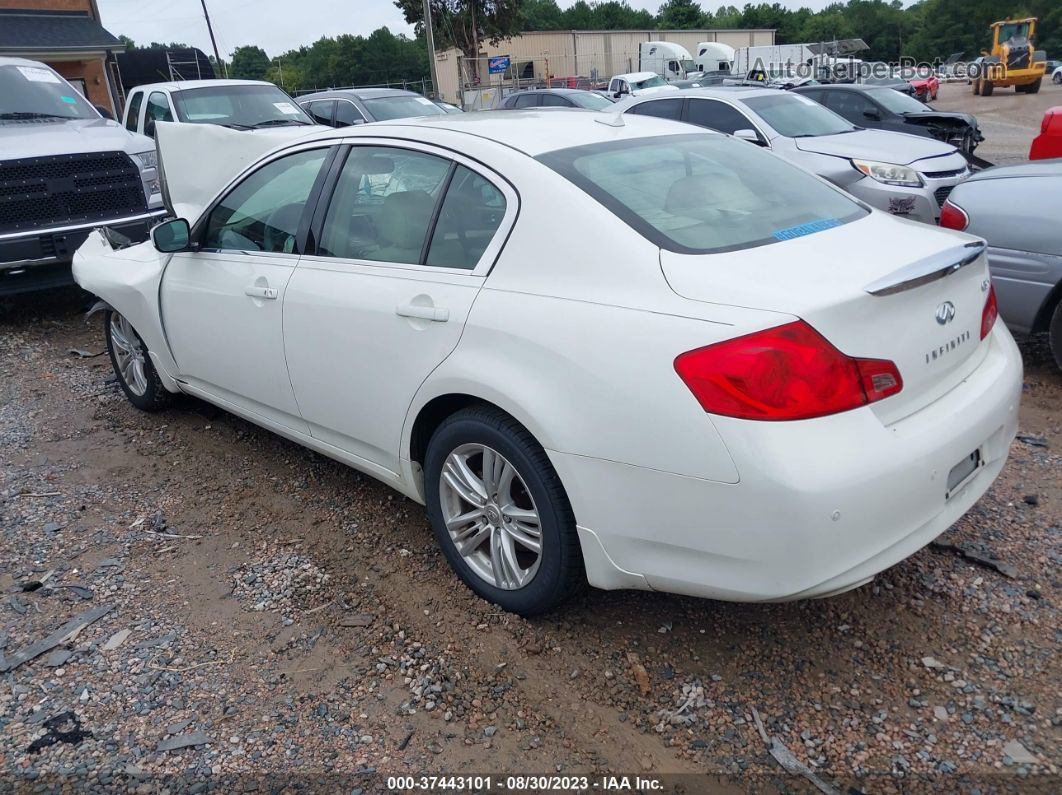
(69, 37)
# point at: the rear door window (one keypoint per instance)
(470, 215)
(700, 194)
(321, 111)
(526, 101)
(554, 101)
(717, 116)
(661, 108)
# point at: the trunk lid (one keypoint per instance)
(824, 278)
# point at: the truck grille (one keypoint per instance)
(63, 190)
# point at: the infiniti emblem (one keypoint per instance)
(945, 313)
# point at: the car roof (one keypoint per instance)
(531, 131)
(185, 85)
(727, 92)
(10, 60)
(357, 93)
(557, 90)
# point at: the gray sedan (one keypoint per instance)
(556, 98)
(905, 175)
(1015, 208)
(344, 107)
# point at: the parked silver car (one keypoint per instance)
(1015, 208)
(905, 175)
(345, 107)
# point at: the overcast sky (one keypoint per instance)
(280, 25)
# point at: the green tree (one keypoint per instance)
(542, 15)
(249, 63)
(464, 23)
(679, 15)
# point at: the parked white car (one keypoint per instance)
(744, 385)
(638, 84)
(238, 104)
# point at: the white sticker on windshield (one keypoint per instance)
(286, 107)
(38, 75)
(424, 101)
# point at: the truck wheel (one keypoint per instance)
(132, 364)
(1034, 87)
(977, 87)
(1054, 334)
(1057, 77)
(987, 86)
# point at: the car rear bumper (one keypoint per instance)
(822, 505)
(41, 259)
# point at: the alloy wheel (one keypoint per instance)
(490, 516)
(129, 354)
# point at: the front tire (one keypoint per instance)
(132, 364)
(500, 513)
(1054, 334)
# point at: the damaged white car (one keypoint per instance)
(721, 376)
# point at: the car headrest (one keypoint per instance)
(403, 218)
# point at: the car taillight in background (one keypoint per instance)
(989, 313)
(953, 217)
(789, 372)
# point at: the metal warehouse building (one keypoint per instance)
(594, 54)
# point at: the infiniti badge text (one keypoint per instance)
(947, 347)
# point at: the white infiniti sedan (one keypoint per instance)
(628, 352)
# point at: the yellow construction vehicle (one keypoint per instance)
(1012, 61)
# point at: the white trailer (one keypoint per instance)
(778, 61)
(669, 60)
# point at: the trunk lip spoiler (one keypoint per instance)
(927, 270)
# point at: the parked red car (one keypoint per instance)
(925, 88)
(1048, 143)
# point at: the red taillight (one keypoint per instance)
(790, 372)
(952, 217)
(989, 313)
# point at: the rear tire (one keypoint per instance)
(977, 87)
(1056, 78)
(1034, 87)
(132, 364)
(1054, 334)
(987, 87)
(511, 504)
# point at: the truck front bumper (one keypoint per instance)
(40, 260)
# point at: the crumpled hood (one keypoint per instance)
(888, 147)
(40, 138)
(943, 115)
(198, 160)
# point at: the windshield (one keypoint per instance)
(36, 92)
(700, 194)
(590, 101)
(795, 116)
(244, 107)
(649, 82)
(402, 106)
(1016, 30)
(897, 102)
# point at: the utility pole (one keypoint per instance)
(430, 38)
(213, 41)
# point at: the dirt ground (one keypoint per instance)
(278, 620)
(1008, 120)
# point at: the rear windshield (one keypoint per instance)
(701, 194)
(795, 116)
(402, 107)
(36, 92)
(241, 107)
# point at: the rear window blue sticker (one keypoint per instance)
(69, 100)
(809, 228)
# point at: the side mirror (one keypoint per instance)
(873, 115)
(748, 135)
(171, 236)
(104, 112)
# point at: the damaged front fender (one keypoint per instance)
(127, 280)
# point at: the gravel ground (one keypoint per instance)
(1009, 121)
(269, 618)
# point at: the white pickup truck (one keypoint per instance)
(64, 170)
